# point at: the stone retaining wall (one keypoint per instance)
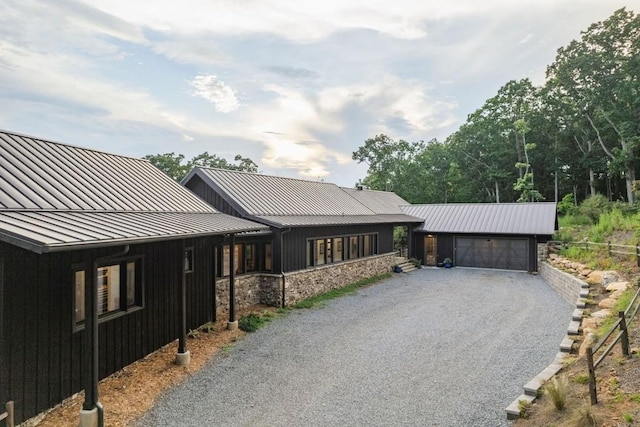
(303, 284)
(266, 289)
(565, 284)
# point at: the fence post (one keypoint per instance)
(586, 244)
(592, 376)
(638, 255)
(609, 247)
(10, 419)
(625, 334)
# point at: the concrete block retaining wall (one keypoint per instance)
(299, 285)
(565, 284)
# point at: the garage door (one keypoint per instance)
(507, 254)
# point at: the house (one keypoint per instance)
(103, 260)
(497, 235)
(323, 236)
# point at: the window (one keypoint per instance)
(337, 251)
(250, 258)
(119, 288)
(238, 260)
(237, 255)
(226, 262)
(188, 260)
(268, 259)
(320, 252)
(353, 247)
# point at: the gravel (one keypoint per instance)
(435, 347)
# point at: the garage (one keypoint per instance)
(484, 235)
(505, 254)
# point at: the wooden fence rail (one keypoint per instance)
(622, 336)
(8, 414)
(611, 248)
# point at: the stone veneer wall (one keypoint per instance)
(249, 290)
(266, 289)
(300, 285)
(565, 284)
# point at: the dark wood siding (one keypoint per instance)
(40, 352)
(295, 241)
(206, 193)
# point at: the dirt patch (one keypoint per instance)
(130, 392)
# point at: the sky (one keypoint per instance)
(297, 86)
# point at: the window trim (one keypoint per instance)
(125, 308)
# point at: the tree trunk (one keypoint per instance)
(629, 177)
(497, 192)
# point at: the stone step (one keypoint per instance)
(513, 410)
(574, 328)
(577, 314)
(566, 345)
(584, 293)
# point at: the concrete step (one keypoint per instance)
(566, 345)
(574, 327)
(577, 314)
(513, 410)
(407, 266)
(584, 293)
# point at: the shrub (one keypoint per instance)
(581, 379)
(567, 205)
(557, 390)
(594, 206)
(252, 322)
(585, 417)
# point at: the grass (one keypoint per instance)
(557, 390)
(621, 305)
(335, 293)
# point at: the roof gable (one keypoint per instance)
(487, 218)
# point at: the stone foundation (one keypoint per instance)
(565, 284)
(266, 289)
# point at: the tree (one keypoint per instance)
(173, 165)
(601, 72)
(386, 159)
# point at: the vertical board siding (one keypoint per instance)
(41, 352)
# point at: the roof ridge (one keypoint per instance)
(266, 175)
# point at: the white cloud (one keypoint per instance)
(215, 91)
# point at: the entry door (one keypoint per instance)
(430, 250)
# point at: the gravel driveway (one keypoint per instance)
(435, 347)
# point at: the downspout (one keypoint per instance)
(284, 295)
(92, 412)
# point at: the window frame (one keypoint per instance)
(352, 247)
(124, 306)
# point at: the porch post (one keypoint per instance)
(91, 414)
(183, 357)
(233, 323)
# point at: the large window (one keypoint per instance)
(330, 250)
(247, 258)
(119, 288)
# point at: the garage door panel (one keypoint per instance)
(509, 254)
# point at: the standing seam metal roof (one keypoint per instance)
(281, 201)
(487, 218)
(55, 196)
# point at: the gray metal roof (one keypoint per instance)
(380, 202)
(285, 202)
(487, 218)
(318, 220)
(55, 196)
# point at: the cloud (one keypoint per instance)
(215, 91)
(293, 72)
(199, 50)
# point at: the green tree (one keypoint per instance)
(601, 72)
(175, 167)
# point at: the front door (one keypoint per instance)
(430, 250)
